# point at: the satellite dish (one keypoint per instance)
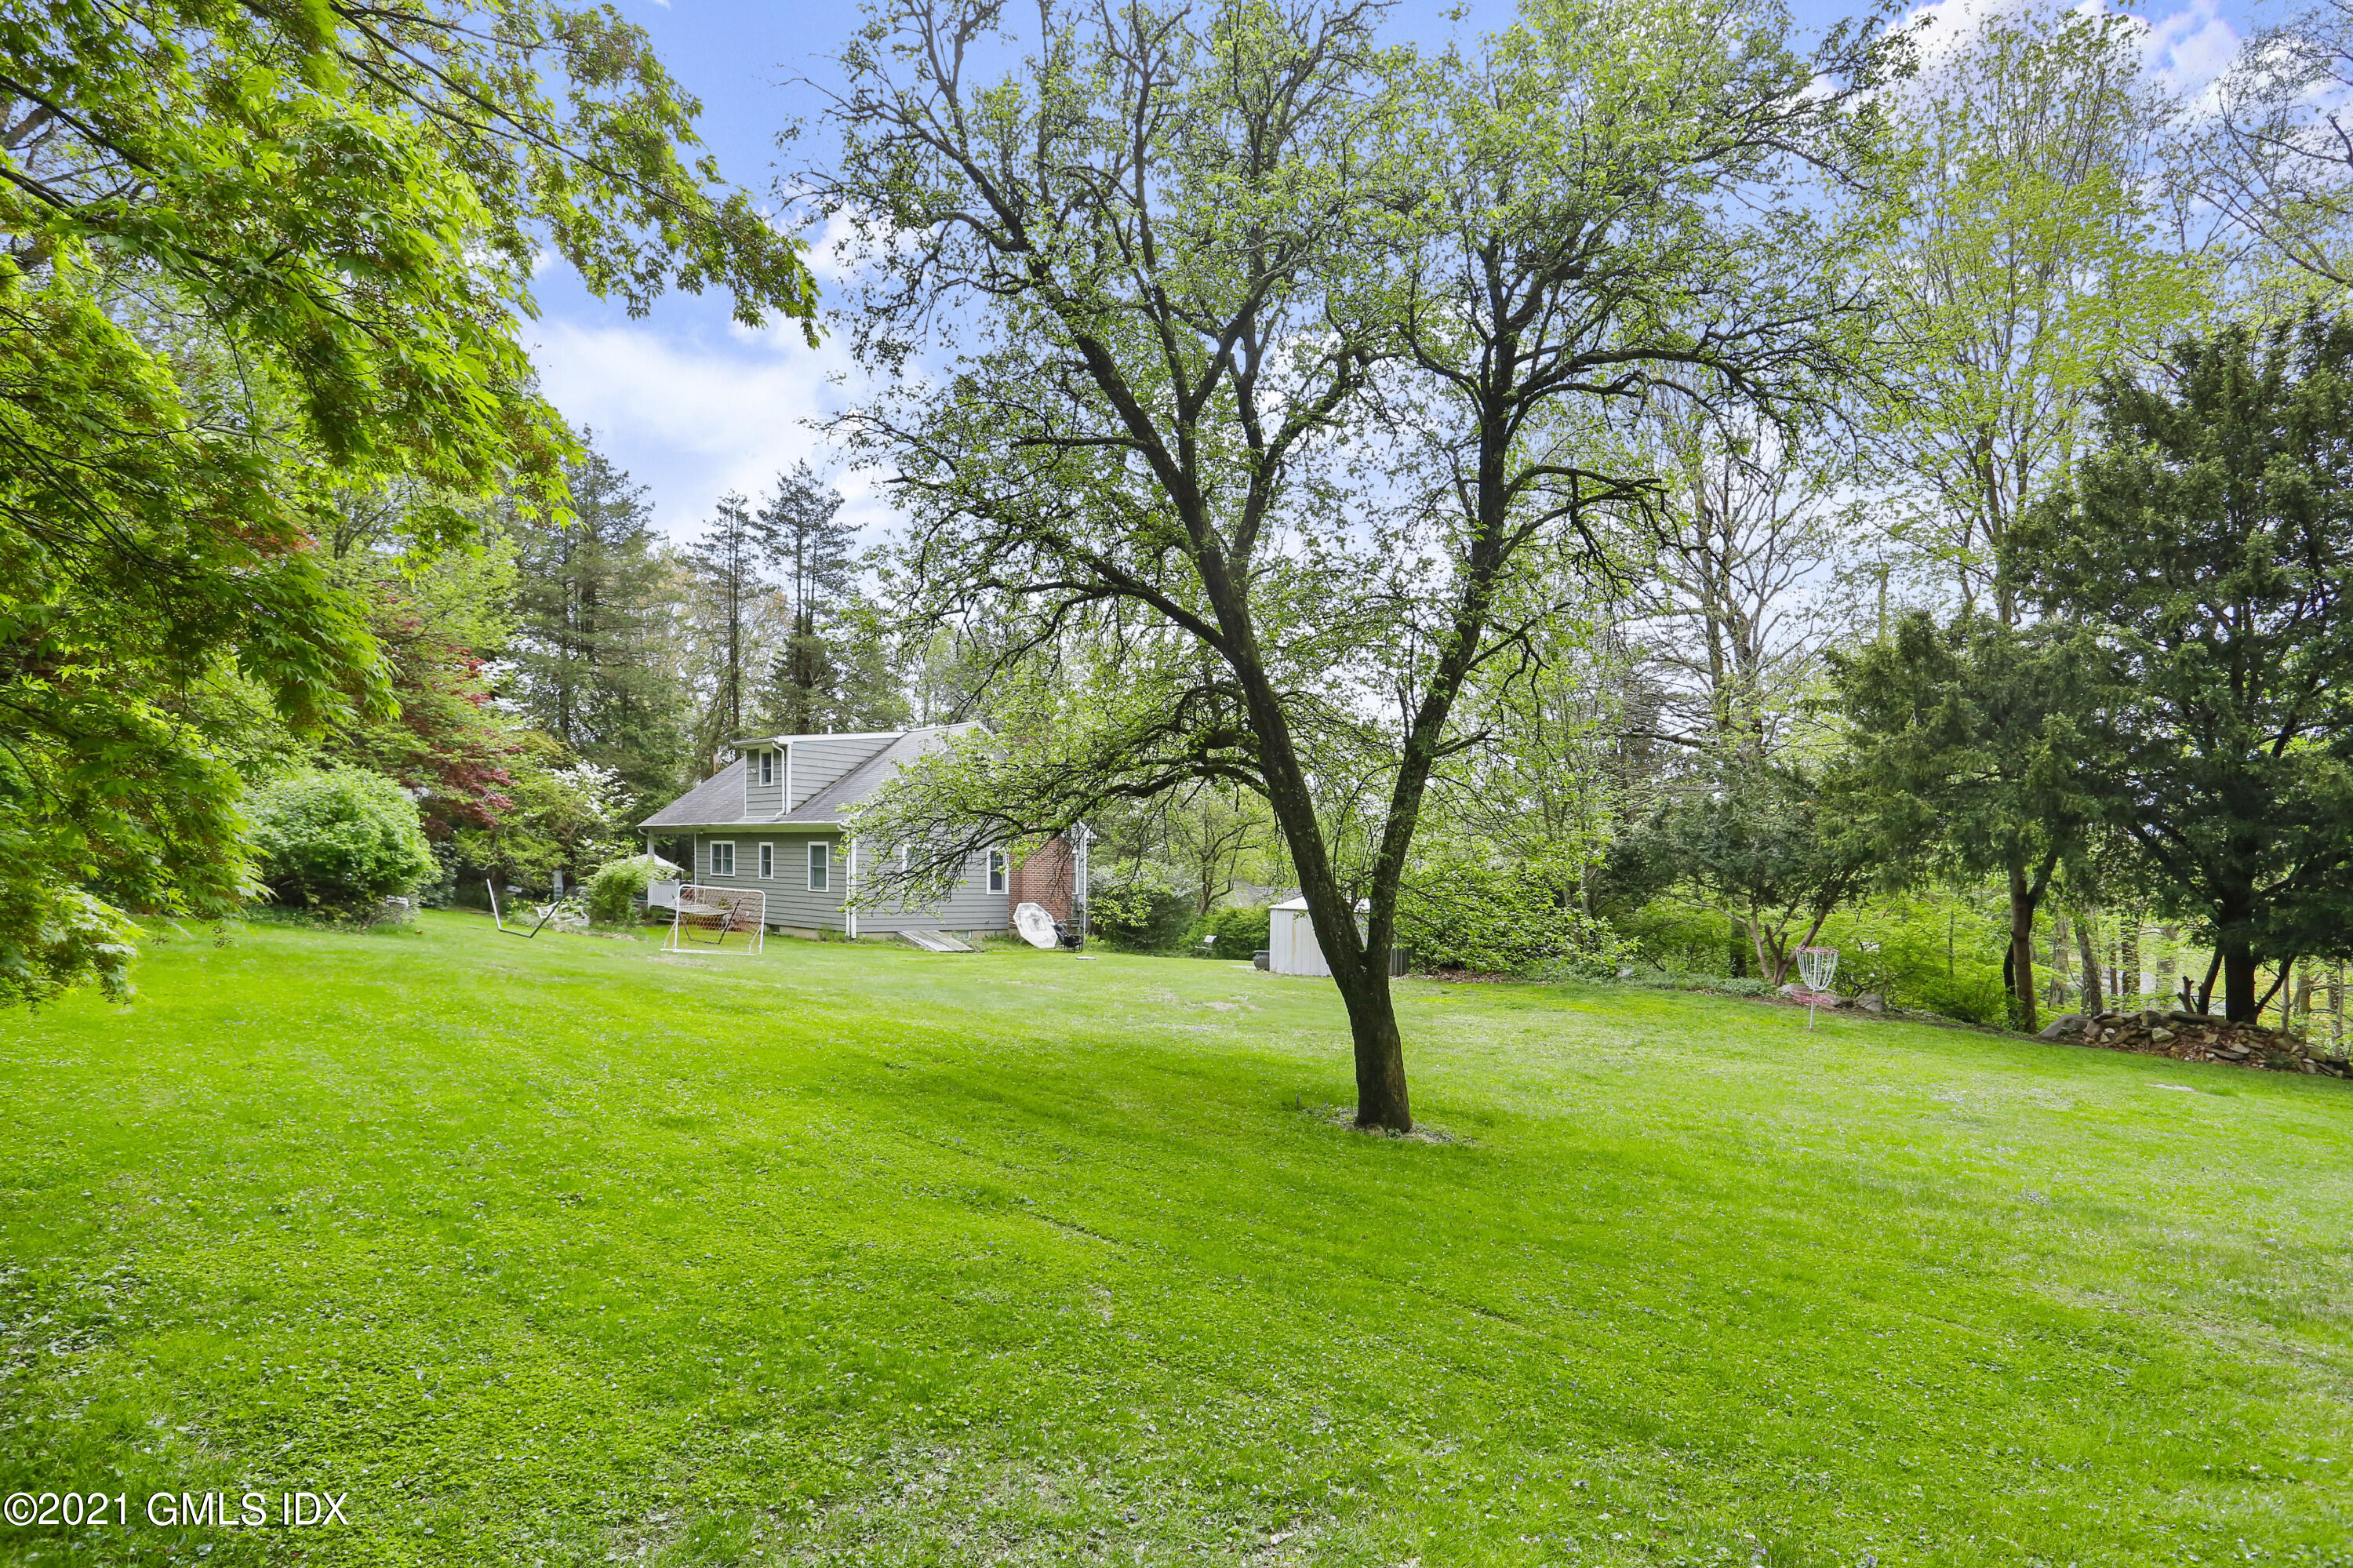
(1037, 927)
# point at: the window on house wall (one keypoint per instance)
(996, 871)
(723, 857)
(820, 865)
(767, 861)
(767, 767)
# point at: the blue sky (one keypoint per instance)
(693, 406)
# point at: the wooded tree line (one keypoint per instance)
(1637, 486)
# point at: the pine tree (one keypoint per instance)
(2206, 547)
(835, 671)
(813, 546)
(731, 564)
(589, 629)
(1967, 761)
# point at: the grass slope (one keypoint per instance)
(557, 1252)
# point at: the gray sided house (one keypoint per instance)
(771, 820)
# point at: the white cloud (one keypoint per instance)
(2190, 48)
(691, 419)
(2185, 48)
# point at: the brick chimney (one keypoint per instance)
(1045, 877)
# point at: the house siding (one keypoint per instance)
(790, 902)
(821, 761)
(970, 908)
(765, 799)
(805, 766)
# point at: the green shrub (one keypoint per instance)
(1681, 936)
(1140, 908)
(1936, 952)
(1939, 951)
(1233, 933)
(1508, 918)
(615, 889)
(338, 840)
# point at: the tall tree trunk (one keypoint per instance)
(2233, 914)
(2059, 958)
(2239, 994)
(1381, 1097)
(2087, 943)
(2020, 966)
(1359, 967)
(2128, 974)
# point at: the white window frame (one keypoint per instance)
(712, 859)
(767, 766)
(767, 861)
(1000, 869)
(820, 865)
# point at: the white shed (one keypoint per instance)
(1291, 947)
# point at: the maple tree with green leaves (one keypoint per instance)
(252, 257)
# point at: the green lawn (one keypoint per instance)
(556, 1252)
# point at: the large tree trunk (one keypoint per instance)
(1358, 961)
(2020, 965)
(1381, 1100)
(2239, 994)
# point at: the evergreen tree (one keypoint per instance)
(731, 566)
(813, 547)
(1967, 760)
(2207, 546)
(588, 612)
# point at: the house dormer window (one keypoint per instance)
(767, 767)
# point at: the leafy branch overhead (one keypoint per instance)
(356, 197)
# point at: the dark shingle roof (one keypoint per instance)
(718, 798)
(718, 801)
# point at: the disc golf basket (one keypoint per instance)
(1817, 967)
(717, 920)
